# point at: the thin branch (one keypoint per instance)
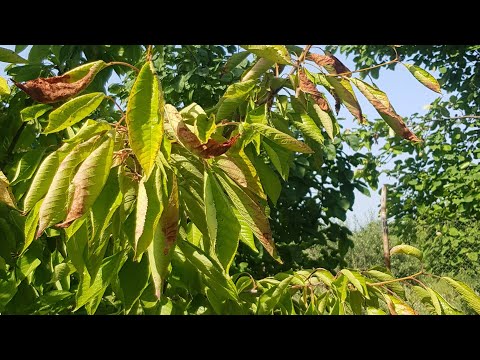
(411, 277)
(124, 64)
(149, 53)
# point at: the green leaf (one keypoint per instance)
(27, 165)
(77, 246)
(4, 88)
(223, 226)
(258, 69)
(108, 270)
(73, 111)
(374, 311)
(270, 298)
(308, 127)
(380, 102)
(89, 128)
(424, 77)
(467, 294)
(53, 208)
(326, 120)
(279, 138)
(8, 289)
(357, 280)
(31, 223)
(216, 278)
(91, 69)
(246, 234)
(204, 127)
(145, 117)
(407, 250)
(435, 301)
(344, 91)
(133, 278)
(251, 212)
(281, 158)
(6, 194)
(44, 176)
(380, 276)
(89, 180)
(275, 53)
(61, 271)
(233, 97)
(34, 112)
(269, 179)
(235, 60)
(26, 264)
(11, 57)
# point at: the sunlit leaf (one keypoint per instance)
(424, 77)
(407, 250)
(467, 294)
(73, 111)
(275, 53)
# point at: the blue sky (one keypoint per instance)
(407, 96)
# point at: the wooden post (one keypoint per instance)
(383, 217)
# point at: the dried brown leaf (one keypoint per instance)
(331, 63)
(54, 89)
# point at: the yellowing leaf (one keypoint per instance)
(344, 91)
(73, 111)
(472, 299)
(6, 194)
(260, 67)
(145, 117)
(424, 77)
(326, 120)
(275, 53)
(53, 207)
(161, 250)
(407, 250)
(380, 102)
(4, 88)
(252, 213)
(89, 180)
(279, 137)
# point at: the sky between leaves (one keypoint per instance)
(406, 94)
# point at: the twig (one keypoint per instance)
(124, 64)
(149, 53)
(411, 277)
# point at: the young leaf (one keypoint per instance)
(61, 88)
(275, 53)
(279, 137)
(73, 111)
(223, 226)
(472, 299)
(380, 102)
(407, 250)
(9, 56)
(4, 88)
(424, 77)
(145, 117)
(53, 208)
(89, 180)
(251, 212)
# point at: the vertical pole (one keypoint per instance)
(383, 217)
